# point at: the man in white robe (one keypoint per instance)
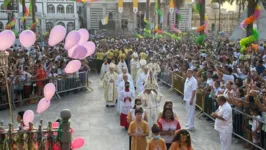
(121, 87)
(141, 80)
(121, 64)
(142, 63)
(110, 88)
(154, 67)
(104, 69)
(134, 66)
(126, 98)
(150, 100)
(120, 77)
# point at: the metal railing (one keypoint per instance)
(41, 138)
(242, 120)
(29, 94)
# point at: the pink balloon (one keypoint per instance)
(55, 125)
(71, 130)
(7, 39)
(90, 46)
(84, 36)
(27, 38)
(70, 51)
(57, 35)
(78, 142)
(49, 90)
(72, 39)
(28, 117)
(79, 52)
(72, 66)
(43, 105)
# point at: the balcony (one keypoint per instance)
(3, 15)
(60, 16)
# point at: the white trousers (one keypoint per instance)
(190, 114)
(226, 140)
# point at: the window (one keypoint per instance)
(49, 26)
(60, 9)
(2, 7)
(1, 26)
(69, 9)
(61, 23)
(50, 8)
(70, 26)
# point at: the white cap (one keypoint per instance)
(143, 62)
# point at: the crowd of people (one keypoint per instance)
(129, 68)
(30, 69)
(218, 68)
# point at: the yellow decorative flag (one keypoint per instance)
(120, 6)
(135, 6)
(171, 6)
(105, 20)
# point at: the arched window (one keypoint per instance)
(70, 26)
(2, 7)
(61, 23)
(36, 8)
(60, 9)
(50, 9)
(69, 9)
(49, 26)
(1, 26)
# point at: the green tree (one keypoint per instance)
(220, 2)
(33, 14)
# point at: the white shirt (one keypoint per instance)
(190, 86)
(210, 82)
(224, 126)
(255, 123)
(228, 78)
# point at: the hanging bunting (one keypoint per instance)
(171, 6)
(120, 6)
(135, 6)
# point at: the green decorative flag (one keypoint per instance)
(6, 2)
(156, 5)
(248, 40)
(179, 17)
(30, 7)
(200, 39)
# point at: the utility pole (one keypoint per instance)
(148, 10)
(33, 14)
(24, 10)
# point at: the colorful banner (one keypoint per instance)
(135, 6)
(171, 6)
(120, 6)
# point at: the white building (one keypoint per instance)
(49, 13)
(96, 11)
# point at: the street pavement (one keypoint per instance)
(100, 125)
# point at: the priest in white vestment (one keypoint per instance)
(142, 63)
(134, 66)
(121, 87)
(121, 64)
(154, 67)
(150, 100)
(120, 77)
(141, 80)
(110, 90)
(126, 98)
(104, 69)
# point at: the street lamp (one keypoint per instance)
(4, 68)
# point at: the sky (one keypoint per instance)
(229, 7)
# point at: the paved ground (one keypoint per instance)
(100, 125)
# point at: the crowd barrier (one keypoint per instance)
(41, 138)
(21, 94)
(242, 121)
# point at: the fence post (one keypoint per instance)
(10, 128)
(66, 134)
